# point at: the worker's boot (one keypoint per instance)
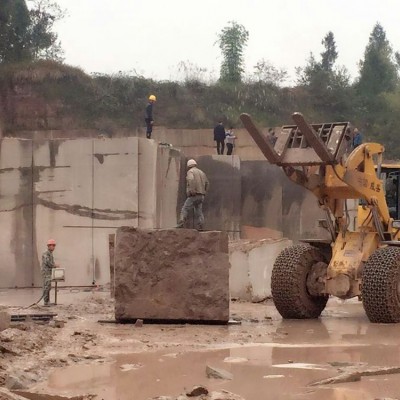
(181, 224)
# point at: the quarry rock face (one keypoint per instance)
(175, 274)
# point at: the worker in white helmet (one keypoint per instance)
(196, 188)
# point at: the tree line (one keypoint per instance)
(27, 34)
(323, 90)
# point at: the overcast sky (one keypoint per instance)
(154, 36)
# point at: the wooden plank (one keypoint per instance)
(312, 138)
(264, 145)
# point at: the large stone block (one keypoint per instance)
(5, 320)
(175, 274)
(111, 247)
(251, 267)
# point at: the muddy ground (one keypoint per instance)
(261, 358)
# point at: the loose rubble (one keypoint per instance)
(216, 395)
(218, 373)
(197, 391)
(354, 375)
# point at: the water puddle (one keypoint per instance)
(288, 357)
(259, 372)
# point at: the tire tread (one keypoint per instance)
(288, 284)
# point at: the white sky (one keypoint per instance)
(153, 36)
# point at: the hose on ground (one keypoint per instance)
(34, 304)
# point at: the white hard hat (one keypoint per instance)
(191, 163)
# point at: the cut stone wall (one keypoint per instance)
(79, 192)
(175, 274)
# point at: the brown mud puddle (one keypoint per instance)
(269, 371)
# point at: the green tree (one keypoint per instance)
(44, 41)
(384, 125)
(265, 72)
(320, 74)
(329, 56)
(327, 86)
(232, 40)
(28, 34)
(378, 70)
(14, 31)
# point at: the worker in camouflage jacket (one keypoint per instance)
(47, 267)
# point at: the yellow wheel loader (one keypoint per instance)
(364, 261)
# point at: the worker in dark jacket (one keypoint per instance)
(357, 138)
(219, 137)
(149, 116)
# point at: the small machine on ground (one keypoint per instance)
(57, 275)
(363, 262)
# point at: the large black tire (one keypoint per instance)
(380, 285)
(289, 283)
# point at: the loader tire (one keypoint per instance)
(289, 283)
(380, 287)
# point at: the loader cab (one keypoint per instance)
(390, 174)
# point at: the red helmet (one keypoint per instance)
(50, 242)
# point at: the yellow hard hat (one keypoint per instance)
(152, 97)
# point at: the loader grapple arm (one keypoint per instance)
(302, 144)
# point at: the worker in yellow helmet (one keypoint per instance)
(149, 116)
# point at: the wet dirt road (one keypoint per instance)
(267, 357)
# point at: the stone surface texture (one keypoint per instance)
(175, 274)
